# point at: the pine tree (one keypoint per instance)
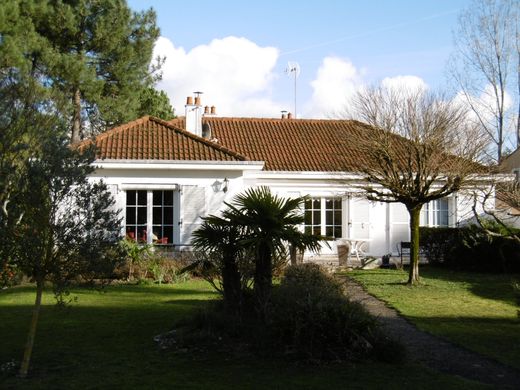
(96, 53)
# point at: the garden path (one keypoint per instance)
(433, 351)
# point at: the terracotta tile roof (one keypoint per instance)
(292, 144)
(149, 138)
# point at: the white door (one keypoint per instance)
(359, 220)
(399, 225)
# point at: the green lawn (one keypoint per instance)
(477, 311)
(104, 341)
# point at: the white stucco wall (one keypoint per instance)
(383, 225)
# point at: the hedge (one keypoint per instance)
(469, 248)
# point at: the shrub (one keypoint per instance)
(470, 248)
(312, 319)
(10, 275)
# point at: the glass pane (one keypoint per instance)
(141, 233)
(131, 232)
(328, 231)
(157, 231)
(316, 230)
(168, 198)
(168, 215)
(130, 197)
(157, 216)
(443, 218)
(308, 229)
(130, 215)
(337, 204)
(157, 198)
(141, 215)
(328, 217)
(316, 204)
(141, 198)
(308, 204)
(317, 217)
(168, 234)
(308, 217)
(338, 232)
(337, 217)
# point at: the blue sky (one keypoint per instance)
(236, 51)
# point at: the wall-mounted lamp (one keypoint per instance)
(226, 182)
(220, 185)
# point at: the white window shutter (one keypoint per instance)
(193, 207)
(119, 201)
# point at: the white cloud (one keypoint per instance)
(238, 77)
(336, 82)
(404, 84)
(235, 75)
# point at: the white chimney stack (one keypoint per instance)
(193, 112)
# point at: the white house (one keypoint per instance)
(166, 175)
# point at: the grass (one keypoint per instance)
(104, 341)
(477, 311)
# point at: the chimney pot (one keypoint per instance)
(284, 114)
(189, 100)
(197, 101)
(213, 110)
(206, 110)
(289, 116)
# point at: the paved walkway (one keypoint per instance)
(432, 351)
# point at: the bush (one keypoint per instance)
(312, 319)
(470, 248)
(10, 275)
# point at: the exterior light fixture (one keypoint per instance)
(217, 185)
(226, 182)
(220, 185)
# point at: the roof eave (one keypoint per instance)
(178, 164)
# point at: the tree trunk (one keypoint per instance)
(263, 279)
(231, 283)
(24, 368)
(413, 275)
(76, 119)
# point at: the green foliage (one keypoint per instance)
(69, 225)
(135, 254)
(155, 103)
(471, 248)
(270, 223)
(258, 226)
(312, 319)
(96, 54)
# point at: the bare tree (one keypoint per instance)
(483, 67)
(414, 152)
(500, 205)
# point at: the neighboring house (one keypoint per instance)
(166, 175)
(511, 164)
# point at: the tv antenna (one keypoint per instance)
(293, 70)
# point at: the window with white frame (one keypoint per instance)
(150, 212)
(435, 213)
(323, 216)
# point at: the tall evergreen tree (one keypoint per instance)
(96, 53)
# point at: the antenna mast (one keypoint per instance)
(293, 69)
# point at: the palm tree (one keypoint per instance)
(269, 224)
(218, 235)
